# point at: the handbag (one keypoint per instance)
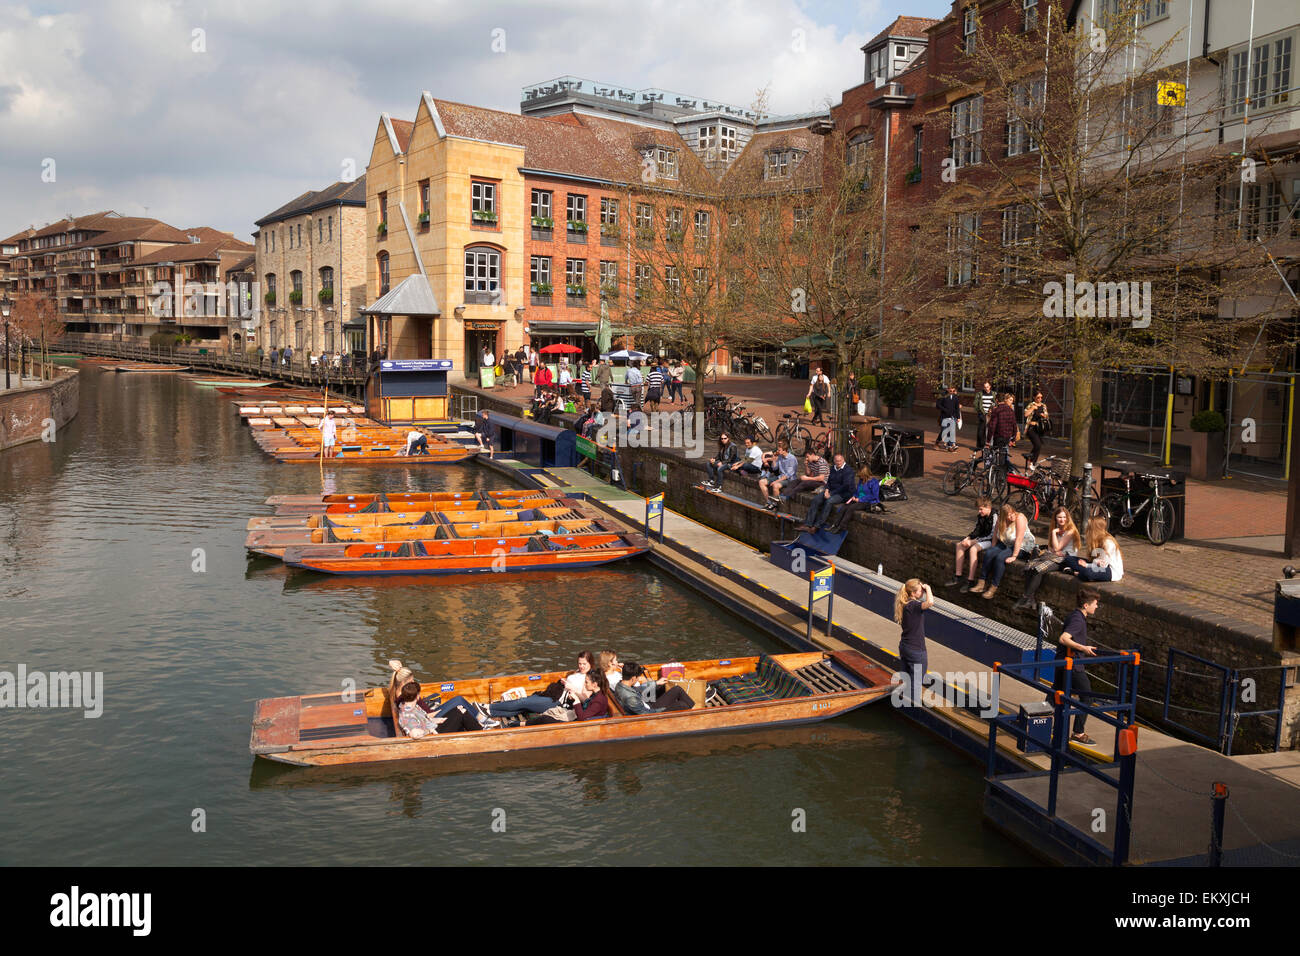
(697, 689)
(559, 713)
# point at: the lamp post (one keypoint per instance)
(5, 306)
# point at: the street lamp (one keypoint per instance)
(5, 306)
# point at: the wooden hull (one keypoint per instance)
(157, 369)
(489, 556)
(394, 499)
(325, 730)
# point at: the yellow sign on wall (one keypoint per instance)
(1171, 93)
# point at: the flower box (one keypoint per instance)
(295, 297)
(576, 291)
(423, 218)
(577, 225)
(484, 215)
(541, 288)
(543, 222)
(609, 229)
(383, 229)
(326, 296)
(269, 298)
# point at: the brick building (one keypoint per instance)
(310, 263)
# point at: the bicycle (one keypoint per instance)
(889, 454)
(793, 430)
(1119, 507)
(972, 472)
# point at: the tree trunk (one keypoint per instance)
(1082, 378)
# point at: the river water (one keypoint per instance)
(121, 551)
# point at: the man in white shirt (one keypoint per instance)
(416, 443)
(634, 380)
(489, 360)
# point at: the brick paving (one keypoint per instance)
(1234, 582)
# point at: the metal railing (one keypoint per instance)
(1229, 696)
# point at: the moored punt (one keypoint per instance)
(273, 542)
(155, 368)
(468, 555)
(393, 501)
(446, 512)
(751, 692)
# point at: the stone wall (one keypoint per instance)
(25, 413)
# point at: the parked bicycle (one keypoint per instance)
(889, 456)
(1124, 508)
(971, 473)
(793, 430)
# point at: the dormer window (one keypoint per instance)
(780, 163)
(718, 142)
(665, 161)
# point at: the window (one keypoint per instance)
(645, 225)
(718, 142)
(665, 161)
(383, 273)
(483, 203)
(1269, 68)
(1028, 15)
(295, 277)
(957, 345)
(1019, 232)
(609, 212)
(1151, 10)
(642, 280)
(1148, 117)
(968, 25)
(300, 235)
(270, 288)
(802, 218)
(576, 209)
(331, 228)
(539, 274)
(702, 223)
(917, 137)
(700, 276)
(855, 156)
(780, 163)
(424, 195)
(482, 274)
(320, 230)
(877, 64)
(900, 52)
(383, 207)
(674, 220)
(609, 279)
(1262, 208)
(967, 136)
(963, 255)
(575, 277)
(541, 207)
(672, 282)
(327, 285)
(1024, 117)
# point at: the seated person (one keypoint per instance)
(418, 718)
(1107, 563)
(594, 424)
(485, 433)
(416, 443)
(637, 694)
(867, 498)
(979, 539)
(751, 463)
(612, 668)
(778, 472)
(594, 704)
(721, 463)
(815, 473)
(839, 488)
(554, 694)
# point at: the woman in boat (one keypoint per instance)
(637, 694)
(419, 718)
(612, 668)
(574, 684)
(595, 703)
(910, 605)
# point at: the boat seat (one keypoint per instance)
(770, 681)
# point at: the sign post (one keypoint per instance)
(654, 508)
(821, 584)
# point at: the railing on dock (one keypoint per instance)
(298, 371)
(1118, 711)
(1228, 696)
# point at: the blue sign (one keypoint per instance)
(654, 506)
(821, 582)
(448, 687)
(414, 365)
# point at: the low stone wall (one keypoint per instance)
(26, 413)
(1149, 625)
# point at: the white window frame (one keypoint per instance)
(608, 211)
(966, 138)
(482, 270)
(1028, 15)
(608, 277)
(780, 163)
(541, 200)
(539, 270)
(482, 196)
(575, 203)
(1149, 11)
(969, 25)
(575, 269)
(1019, 233)
(955, 345)
(1025, 112)
(963, 249)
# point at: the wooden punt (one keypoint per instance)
(319, 730)
(155, 368)
(273, 542)
(469, 555)
(387, 500)
(525, 509)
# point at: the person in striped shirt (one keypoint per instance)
(984, 402)
(654, 386)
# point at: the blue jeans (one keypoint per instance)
(948, 431)
(821, 509)
(914, 669)
(534, 704)
(447, 706)
(1076, 565)
(995, 562)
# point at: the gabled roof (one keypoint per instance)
(194, 251)
(411, 296)
(143, 230)
(336, 194)
(746, 171)
(402, 130)
(95, 220)
(911, 28)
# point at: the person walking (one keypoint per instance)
(532, 364)
(601, 380)
(676, 375)
(1037, 424)
(984, 402)
(910, 604)
(949, 412)
(1002, 426)
(819, 390)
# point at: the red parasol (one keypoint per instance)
(556, 349)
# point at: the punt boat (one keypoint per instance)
(155, 368)
(388, 501)
(273, 542)
(319, 730)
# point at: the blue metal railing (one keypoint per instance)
(1119, 712)
(1229, 713)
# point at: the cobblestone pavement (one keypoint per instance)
(1229, 581)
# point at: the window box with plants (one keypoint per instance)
(326, 296)
(914, 176)
(269, 298)
(485, 217)
(577, 225)
(1207, 445)
(675, 236)
(542, 288)
(645, 235)
(423, 219)
(575, 291)
(543, 222)
(609, 230)
(295, 297)
(382, 231)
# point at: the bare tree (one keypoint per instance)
(36, 319)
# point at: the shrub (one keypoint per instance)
(867, 383)
(1208, 421)
(1095, 412)
(895, 382)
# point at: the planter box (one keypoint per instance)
(1207, 455)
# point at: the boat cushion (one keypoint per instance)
(770, 681)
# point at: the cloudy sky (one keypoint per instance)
(216, 113)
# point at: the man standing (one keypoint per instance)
(601, 380)
(949, 411)
(983, 405)
(1003, 429)
(819, 390)
(487, 359)
(840, 487)
(1074, 638)
(328, 428)
(634, 380)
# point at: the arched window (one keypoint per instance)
(383, 273)
(482, 274)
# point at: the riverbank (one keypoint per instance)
(36, 411)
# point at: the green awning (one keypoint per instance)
(817, 341)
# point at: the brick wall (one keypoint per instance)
(24, 412)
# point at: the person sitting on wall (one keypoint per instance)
(485, 433)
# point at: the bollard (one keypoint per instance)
(1218, 800)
